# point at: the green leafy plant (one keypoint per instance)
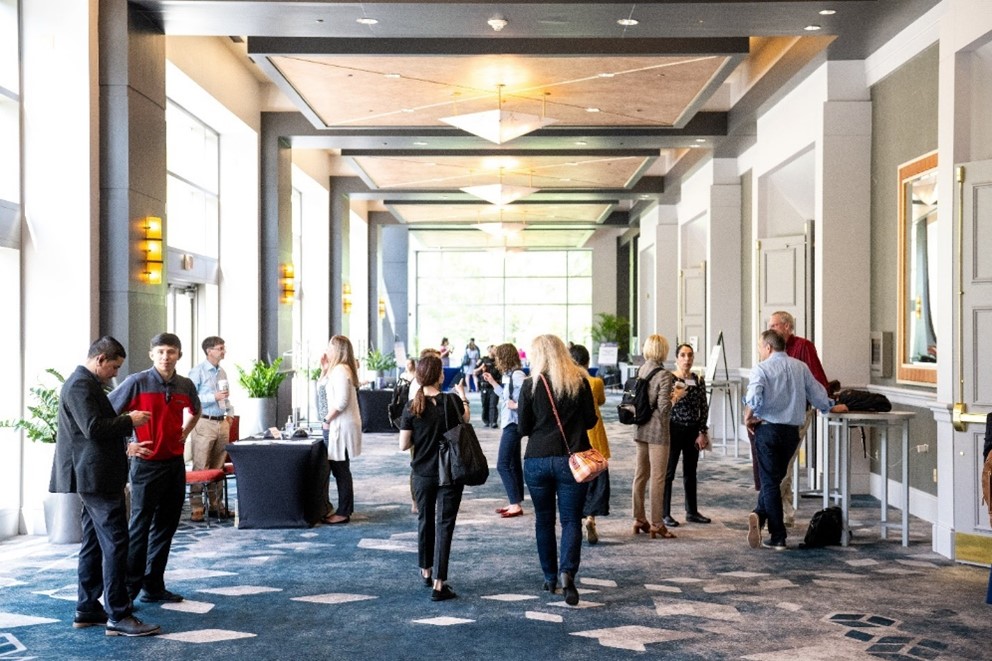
(263, 379)
(611, 328)
(314, 373)
(41, 426)
(376, 361)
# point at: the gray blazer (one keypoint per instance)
(90, 447)
(655, 430)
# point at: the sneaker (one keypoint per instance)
(164, 595)
(443, 594)
(753, 530)
(777, 545)
(85, 619)
(131, 626)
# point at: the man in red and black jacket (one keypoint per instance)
(157, 471)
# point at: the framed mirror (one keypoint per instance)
(916, 341)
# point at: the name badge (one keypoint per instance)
(690, 382)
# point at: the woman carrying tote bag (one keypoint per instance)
(556, 427)
(422, 427)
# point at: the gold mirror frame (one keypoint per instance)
(916, 176)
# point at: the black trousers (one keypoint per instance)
(341, 470)
(684, 443)
(103, 555)
(158, 490)
(437, 510)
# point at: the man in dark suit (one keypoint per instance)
(91, 460)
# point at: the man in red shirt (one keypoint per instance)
(801, 349)
(157, 472)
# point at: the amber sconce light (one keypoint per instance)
(382, 309)
(346, 299)
(287, 283)
(151, 246)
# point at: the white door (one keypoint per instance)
(973, 362)
(782, 281)
(692, 307)
(181, 319)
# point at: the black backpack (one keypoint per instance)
(862, 400)
(635, 406)
(401, 393)
(825, 528)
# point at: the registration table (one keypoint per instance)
(281, 483)
(837, 467)
(374, 408)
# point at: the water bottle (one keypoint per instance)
(289, 427)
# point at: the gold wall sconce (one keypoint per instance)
(152, 247)
(287, 282)
(382, 308)
(346, 298)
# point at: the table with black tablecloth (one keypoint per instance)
(374, 407)
(281, 484)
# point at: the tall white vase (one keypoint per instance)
(257, 415)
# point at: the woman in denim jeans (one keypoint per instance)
(556, 426)
(508, 461)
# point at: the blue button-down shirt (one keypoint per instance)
(205, 377)
(779, 389)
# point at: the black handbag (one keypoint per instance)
(460, 458)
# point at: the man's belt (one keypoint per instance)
(215, 418)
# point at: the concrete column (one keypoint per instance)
(723, 264)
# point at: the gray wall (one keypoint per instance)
(904, 127)
(747, 259)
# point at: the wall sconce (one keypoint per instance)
(346, 298)
(287, 282)
(382, 309)
(152, 247)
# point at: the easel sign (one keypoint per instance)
(609, 353)
(717, 356)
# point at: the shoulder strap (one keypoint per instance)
(554, 409)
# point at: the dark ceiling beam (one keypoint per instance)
(332, 46)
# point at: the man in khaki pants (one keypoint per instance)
(212, 432)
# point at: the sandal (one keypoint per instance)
(662, 532)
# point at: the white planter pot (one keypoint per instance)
(62, 518)
(257, 415)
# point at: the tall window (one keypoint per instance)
(193, 163)
(496, 298)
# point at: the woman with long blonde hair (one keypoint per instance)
(653, 439)
(341, 421)
(556, 408)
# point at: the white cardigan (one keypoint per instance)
(345, 430)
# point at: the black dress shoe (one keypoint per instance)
(697, 518)
(670, 522)
(85, 619)
(551, 586)
(131, 626)
(443, 594)
(164, 595)
(568, 589)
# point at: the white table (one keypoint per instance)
(837, 459)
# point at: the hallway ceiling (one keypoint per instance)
(635, 106)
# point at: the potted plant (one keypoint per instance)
(62, 510)
(611, 328)
(379, 363)
(261, 383)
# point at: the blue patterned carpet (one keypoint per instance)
(353, 591)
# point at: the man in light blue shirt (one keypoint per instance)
(212, 432)
(777, 394)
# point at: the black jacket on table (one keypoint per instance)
(91, 445)
(537, 420)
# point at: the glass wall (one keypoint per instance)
(193, 162)
(496, 297)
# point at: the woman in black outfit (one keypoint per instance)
(423, 423)
(556, 425)
(688, 432)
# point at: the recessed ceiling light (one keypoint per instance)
(811, 28)
(592, 109)
(420, 144)
(644, 197)
(565, 179)
(827, 12)
(700, 139)
(393, 75)
(581, 143)
(627, 22)
(365, 20)
(408, 110)
(606, 74)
